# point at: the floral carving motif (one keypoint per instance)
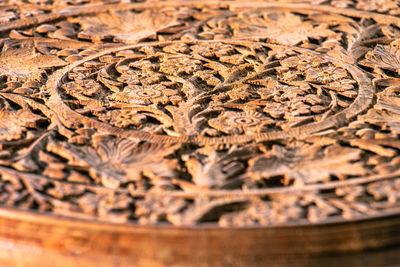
(377, 5)
(173, 89)
(240, 122)
(233, 113)
(141, 95)
(213, 50)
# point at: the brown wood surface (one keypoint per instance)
(37, 240)
(203, 133)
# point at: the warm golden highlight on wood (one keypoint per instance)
(189, 125)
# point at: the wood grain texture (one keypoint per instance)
(70, 243)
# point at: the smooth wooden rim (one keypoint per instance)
(46, 218)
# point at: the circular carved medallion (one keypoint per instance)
(204, 91)
(217, 112)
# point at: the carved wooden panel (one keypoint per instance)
(225, 112)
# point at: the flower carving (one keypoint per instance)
(179, 65)
(325, 74)
(85, 87)
(231, 122)
(213, 50)
(123, 118)
(303, 62)
(377, 5)
(140, 78)
(140, 95)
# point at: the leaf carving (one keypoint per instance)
(385, 57)
(116, 163)
(13, 123)
(284, 28)
(125, 27)
(385, 119)
(26, 64)
(386, 112)
(210, 169)
(307, 164)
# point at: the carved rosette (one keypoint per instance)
(225, 113)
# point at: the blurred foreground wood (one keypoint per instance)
(199, 133)
(37, 240)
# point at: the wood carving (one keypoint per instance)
(185, 113)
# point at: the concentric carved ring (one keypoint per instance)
(210, 92)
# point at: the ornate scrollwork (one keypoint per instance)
(219, 112)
